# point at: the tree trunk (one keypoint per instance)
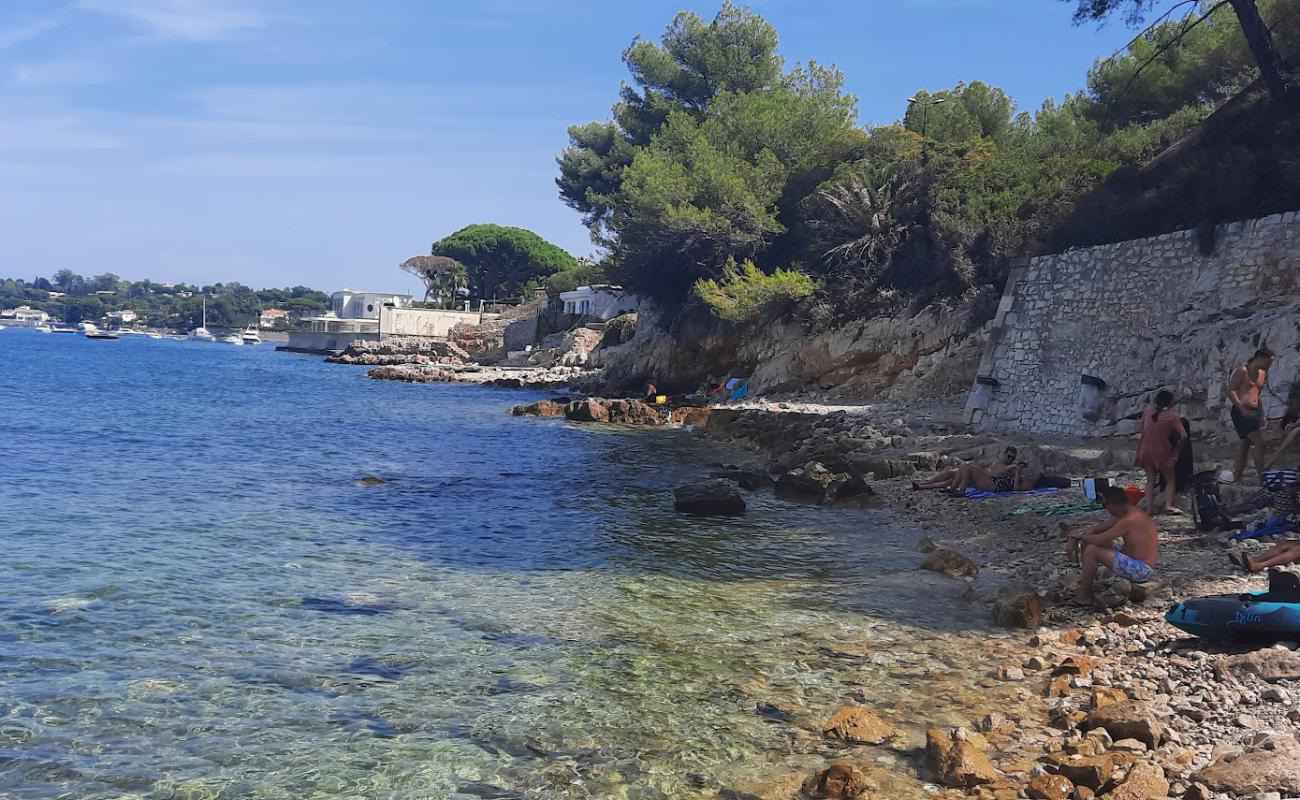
(1261, 47)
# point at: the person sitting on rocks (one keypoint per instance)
(1133, 559)
(651, 392)
(989, 476)
(1286, 552)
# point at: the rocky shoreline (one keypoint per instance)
(1113, 702)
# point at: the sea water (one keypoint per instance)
(198, 600)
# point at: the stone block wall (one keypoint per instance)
(1083, 338)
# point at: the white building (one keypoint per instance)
(24, 317)
(272, 317)
(125, 316)
(348, 304)
(600, 301)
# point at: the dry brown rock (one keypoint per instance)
(858, 725)
(1090, 771)
(839, 781)
(1143, 782)
(1272, 766)
(1127, 720)
(956, 761)
(1106, 696)
(1018, 608)
(690, 415)
(1050, 787)
(950, 562)
(1076, 665)
(1271, 665)
(1122, 619)
(542, 408)
(588, 409)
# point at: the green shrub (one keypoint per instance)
(619, 330)
(747, 294)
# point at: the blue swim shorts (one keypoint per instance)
(1130, 568)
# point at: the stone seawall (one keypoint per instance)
(1081, 339)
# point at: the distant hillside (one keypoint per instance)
(1242, 162)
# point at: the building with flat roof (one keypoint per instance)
(599, 301)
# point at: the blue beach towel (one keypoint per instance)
(741, 391)
(980, 494)
(1273, 526)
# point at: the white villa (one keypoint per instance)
(600, 301)
(125, 316)
(271, 317)
(348, 304)
(24, 317)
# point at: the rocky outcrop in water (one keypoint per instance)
(400, 350)
(553, 378)
(712, 498)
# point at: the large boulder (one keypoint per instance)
(811, 483)
(694, 416)
(709, 498)
(1143, 782)
(950, 562)
(1018, 608)
(1126, 721)
(954, 760)
(1271, 665)
(855, 492)
(748, 479)
(1050, 787)
(839, 781)
(857, 725)
(1271, 766)
(542, 408)
(588, 409)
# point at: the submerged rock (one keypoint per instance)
(716, 497)
(1018, 608)
(950, 562)
(839, 781)
(371, 480)
(858, 725)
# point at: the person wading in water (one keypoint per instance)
(1244, 388)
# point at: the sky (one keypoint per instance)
(322, 142)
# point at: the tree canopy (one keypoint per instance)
(500, 261)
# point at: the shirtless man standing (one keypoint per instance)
(1099, 545)
(1244, 388)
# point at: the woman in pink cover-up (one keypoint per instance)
(1157, 452)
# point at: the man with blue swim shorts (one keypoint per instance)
(1134, 559)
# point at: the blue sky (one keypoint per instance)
(279, 142)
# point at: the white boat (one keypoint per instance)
(251, 336)
(63, 329)
(98, 334)
(153, 335)
(233, 338)
(87, 328)
(2, 327)
(44, 329)
(202, 333)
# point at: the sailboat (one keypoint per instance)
(201, 333)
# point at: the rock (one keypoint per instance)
(747, 479)
(811, 483)
(1009, 674)
(542, 408)
(1198, 791)
(927, 545)
(1075, 665)
(1143, 782)
(956, 762)
(369, 481)
(1271, 665)
(839, 781)
(950, 562)
(1050, 787)
(991, 722)
(1035, 663)
(787, 786)
(716, 497)
(588, 409)
(855, 492)
(691, 416)
(1018, 608)
(1271, 766)
(1122, 619)
(1129, 746)
(1126, 721)
(1090, 771)
(858, 726)
(1106, 696)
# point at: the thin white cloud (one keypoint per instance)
(14, 36)
(60, 72)
(186, 20)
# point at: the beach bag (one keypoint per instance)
(1208, 508)
(1052, 482)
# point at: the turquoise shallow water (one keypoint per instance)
(198, 600)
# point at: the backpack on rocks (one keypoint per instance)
(1209, 510)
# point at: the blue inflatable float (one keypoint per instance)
(1271, 615)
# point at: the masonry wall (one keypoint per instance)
(434, 322)
(1082, 339)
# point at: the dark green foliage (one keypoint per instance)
(500, 261)
(173, 306)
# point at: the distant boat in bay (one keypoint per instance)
(251, 336)
(202, 333)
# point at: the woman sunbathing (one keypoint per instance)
(1288, 552)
